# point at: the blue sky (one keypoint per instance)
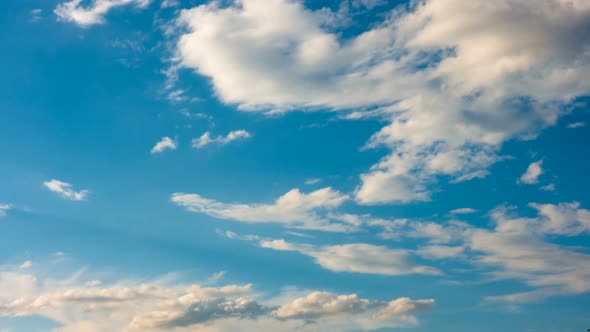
(355, 165)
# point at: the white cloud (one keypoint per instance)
(293, 209)
(128, 305)
(440, 252)
(169, 4)
(206, 139)
(356, 257)
(26, 265)
(576, 125)
(533, 171)
(549, 187)
(166, 143)
(323, 304)
(73, 11)
(453, 85)
(4, 208)
(216, 276)
(404, 306)
(176, 96)
(515, 248)
(312, 181)
(463, 211)
(65, 190)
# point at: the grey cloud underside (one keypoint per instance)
(158, 307)
(455, 78)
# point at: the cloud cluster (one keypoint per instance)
(206, 139)
(515, 248)
(455, 78)
(65, 190)
(293, 209)
(323, 304)
(156, 306)
(73, 11)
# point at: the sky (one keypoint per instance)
(294, 165)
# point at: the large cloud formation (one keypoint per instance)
(158, 306)
(455, 79)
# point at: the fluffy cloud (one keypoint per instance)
(166, 143)
(65, 190)
(72, 11)
(455, 78)
(323, 304)
(294, 209)
(206, 138)
(531, 176)
(356, 257)
(156, 306)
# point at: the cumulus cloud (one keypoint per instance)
(172, 306)
(293, 209)
(356, 257)
(73, 11)
(323, 304)
(576, 125)
(206, 138)
(65, 190)
(533, 171)
(166, 143)
(455, 78)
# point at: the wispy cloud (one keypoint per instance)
(356, 257)
(66, 190)
(312, 181)
(293, 209)
(576, 125)
(73, 11)
(4, 208)
(463, 211)
(36, 14)
(206, 139)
